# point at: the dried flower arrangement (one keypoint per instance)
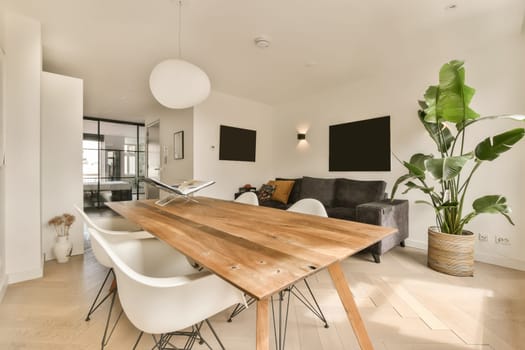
(62, 223)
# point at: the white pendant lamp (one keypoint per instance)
(178, 84)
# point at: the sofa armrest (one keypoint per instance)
(391, 213)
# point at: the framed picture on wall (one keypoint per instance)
(178, 145)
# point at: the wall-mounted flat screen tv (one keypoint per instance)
(237, 144)
(360, 146)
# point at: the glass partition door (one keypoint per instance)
(113, 161)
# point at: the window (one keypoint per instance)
(130, 160)
(90, 158)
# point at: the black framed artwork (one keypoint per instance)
(237, 144)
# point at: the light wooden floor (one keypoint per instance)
(405, 306)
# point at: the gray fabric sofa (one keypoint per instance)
(355, 200)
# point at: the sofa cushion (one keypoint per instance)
(350, 193)
(342, 213)
(282, 190)
(321, 189)
(295, 194)
(265, 193)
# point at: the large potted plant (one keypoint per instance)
(446, 176)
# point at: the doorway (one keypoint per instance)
(113, 161)
(153, 157)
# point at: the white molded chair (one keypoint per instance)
(309, 206)
(152, 250)
(112, 224)
(171, 299)
(248, 198)
(101, 257)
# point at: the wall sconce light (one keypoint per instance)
(301, 136)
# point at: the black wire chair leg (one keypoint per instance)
(240, 308)
(237, 310)
(280, 326)
(215, 334)
(315, 308)
(113, 328)
(162, 342)
(155, 341)
(94, 305)
(138, 340)
(197, 329)
(192, 338)
(322, 318)
(105, 338)
(194, 335)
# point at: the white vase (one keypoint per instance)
(62, 249)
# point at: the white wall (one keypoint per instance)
(61, 156)
(500, 82)
(23, 62)
(3, 276)
(222, 109)
(173, 170)
(497, 73)
(171, 121)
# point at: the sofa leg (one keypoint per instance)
(377, 258)
(402, 243)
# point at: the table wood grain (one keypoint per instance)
(259, 250)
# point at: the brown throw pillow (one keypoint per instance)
(265, 193)
(283, 188)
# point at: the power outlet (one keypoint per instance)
(483, 237)
(502, 240)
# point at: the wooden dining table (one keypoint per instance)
(260, 250)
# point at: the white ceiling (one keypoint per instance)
(114, 44)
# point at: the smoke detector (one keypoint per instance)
(262, 41)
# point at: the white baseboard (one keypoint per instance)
(503, 261)
(3, 286)
(51, 256)
(498, 260)
(416, 244)
(25, 275)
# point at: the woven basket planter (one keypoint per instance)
(451, 254)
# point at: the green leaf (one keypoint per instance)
(414, 170)
(400, 180)
(492, 204)
(439, 132)
(411, 185)
(448, 205)
(431, 99)
(453, 96)
(424, 202)
(517, 117)
(467, 218)
(491, 149)
(418, 161)
(444, 169)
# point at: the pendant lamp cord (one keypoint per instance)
(180, 28)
